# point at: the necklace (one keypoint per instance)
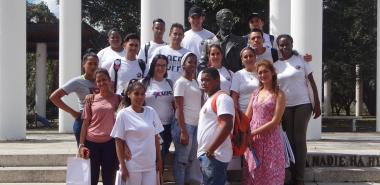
(251, 75)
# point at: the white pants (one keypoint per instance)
(142, 178)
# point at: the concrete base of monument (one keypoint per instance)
(336, 159)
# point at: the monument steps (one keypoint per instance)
(344, 159)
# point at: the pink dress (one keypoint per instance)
(268, 147)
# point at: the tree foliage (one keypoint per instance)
(121, 14)
(349, 38)
(39, 13)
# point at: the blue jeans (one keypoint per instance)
(184, 154)
(77, 127)
(167, 139)
(214, 172)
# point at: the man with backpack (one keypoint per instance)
(197, 34)
(147, 49)
(214, 128)
(128, 68)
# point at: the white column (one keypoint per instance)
(41, 57)
(12, 70)
(378, 70)
(327, 98)
(170, 11)
(69, 54)
(358, 93)
(279, 17)
(306, 30)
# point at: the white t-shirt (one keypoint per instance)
(159, 95)
(292, 75)
(152, 47)
(128, 70)
(208, 124)
(193, 40)
(267, 43)
(226, 77)
(191, 99)
(138, 130)
(108, 55)
(174, 57)
(267, 55)
(244, 83)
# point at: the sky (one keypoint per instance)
(52, 4)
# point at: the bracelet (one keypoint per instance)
(80, 145)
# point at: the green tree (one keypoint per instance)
(349, 38)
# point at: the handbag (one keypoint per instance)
(288, 151)
(118, 179)
(159, 180)
(78, 171)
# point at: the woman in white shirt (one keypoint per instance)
(244, 81)
(137, 141)
(215, 57)
(114, 51)
(159, 95)
(293, 74)
(184, 130)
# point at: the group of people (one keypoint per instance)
(134, 101)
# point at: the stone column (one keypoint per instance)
(327, 98)
(306, 29)
(378, 70)
(12, 70)
(69, 54)
(358, 93)
(170, 11)
(279, 17)
(41, 57)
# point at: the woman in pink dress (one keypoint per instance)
(264, 161)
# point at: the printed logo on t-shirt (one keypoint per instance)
(139, 75)
(162, 93)
(174, 63)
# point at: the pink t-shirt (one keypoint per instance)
(102, 117)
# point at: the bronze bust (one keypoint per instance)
(231, 44)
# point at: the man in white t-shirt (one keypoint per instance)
(256, 41)
(114, 51)
(214, 128)
(174, 51)
(197, 34)
(147, 49)
(128, 68)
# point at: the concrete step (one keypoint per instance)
(32, 174)
(34, 160)
(346, 174)
(330, 174)
(172, 183)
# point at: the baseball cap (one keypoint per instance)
(255, 14)
(196, 10)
